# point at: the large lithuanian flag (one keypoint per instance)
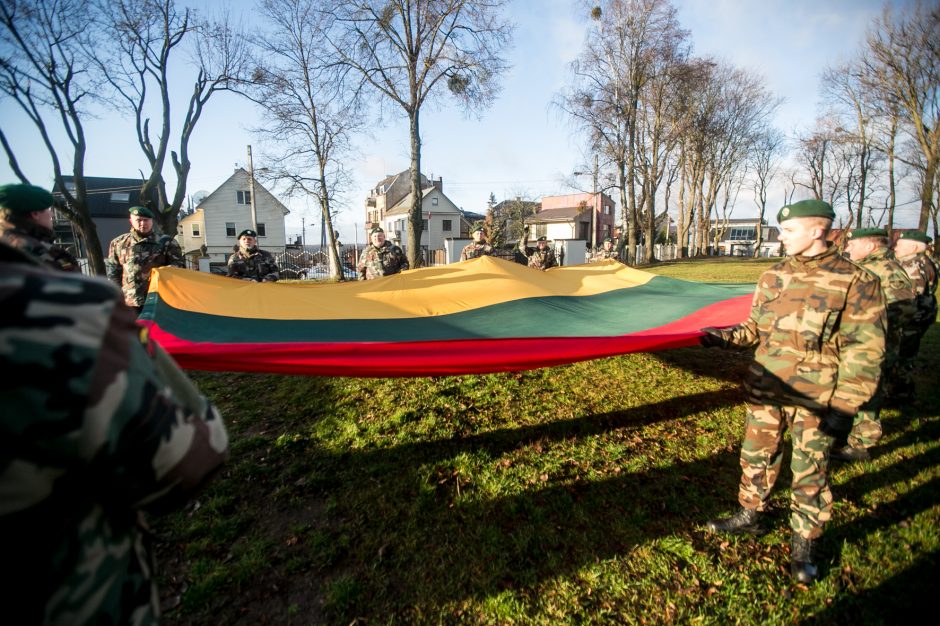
(484, 315)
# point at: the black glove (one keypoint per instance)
(712, 338)
(836, 424)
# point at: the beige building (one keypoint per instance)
(226, 212)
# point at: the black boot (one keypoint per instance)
(802, 565)
(744, 522)
(849, 454)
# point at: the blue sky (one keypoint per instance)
(520, 145)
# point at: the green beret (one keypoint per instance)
(25, 198)
(542, 238)
(806, 208)
(476, 227)
(915, 235)
(141, 211)
(376, 229)
(248, 233)
(858, 233)
(606, 239)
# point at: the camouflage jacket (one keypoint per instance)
(923, 272)
(898, 294)
(131, 259)
(474, 250)
(603, 255)
(542, 259)
(818, 325)
(384, 261)
(98, 425)
(257, 265)
(38, 242)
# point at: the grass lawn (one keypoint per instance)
(568, 495)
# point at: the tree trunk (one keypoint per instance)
(415, 216)
(926, 195)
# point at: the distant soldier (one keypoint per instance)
(543, 257)
(133, 255)
(98, 426)
(868, 247)
(479, 247)
(911, 252)
(26, 224)
(607, 251)
(817, 323)
(250, 262)
(381, 257)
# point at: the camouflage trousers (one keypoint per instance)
(900, 377)
(762, 455)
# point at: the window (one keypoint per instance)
(196, 232)
(434, 201)
(742, 234)
(120, 196)
(606, 209)
(243, 197)
(229, 229)
(424, 225)
(261, 231)
(447, 226)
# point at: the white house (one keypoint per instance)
(441, 219)
(226, 212)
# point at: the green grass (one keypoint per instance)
(568, 495)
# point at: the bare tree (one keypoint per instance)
(311, 111)
(411, 51)
(765, 158)
(620, 87)
(844, 87)
(147, 38)
(903, 52)
(44, 72)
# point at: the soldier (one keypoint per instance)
(543, 257)
(868, 247)
(818, 324)
(26, 224)
(250, 262)
(99, 425)
(607, 251)
(381, 257)
(911, 252)
(479, 247)
(133, 255)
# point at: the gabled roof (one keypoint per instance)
(564, 214)
(100, 188)
(403, 207)
(238, 173)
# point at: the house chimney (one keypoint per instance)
(439, 183)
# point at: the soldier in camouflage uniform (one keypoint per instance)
(868, 247)
(818, 325)
(98, 426)
(607, 251)
(543, 257)
(911, 252)
(26, 224)
(380, 258)
(133, 255)
(478, 248)
(250, 262)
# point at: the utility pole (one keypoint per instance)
(594, 204)
(303, 234)
(251, 192)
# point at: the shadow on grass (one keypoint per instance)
(907, 597)
(448, 544)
